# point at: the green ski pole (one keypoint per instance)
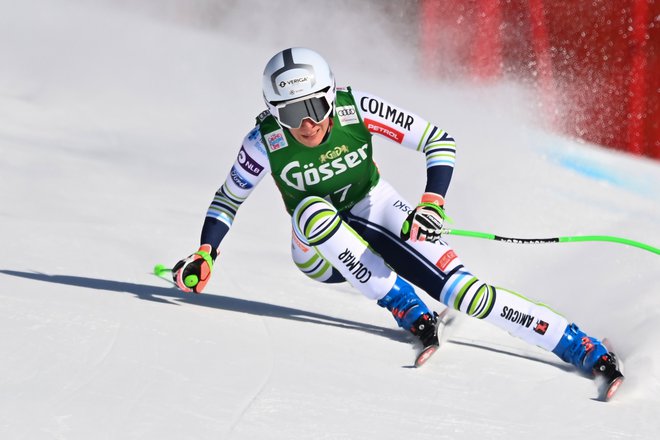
(569, 239)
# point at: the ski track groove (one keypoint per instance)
(72, 389)
(75, 389)
(262, 384)
(267, 376)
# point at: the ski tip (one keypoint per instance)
(610, 390)
(425, 355)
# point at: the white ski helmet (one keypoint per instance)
(298, 84)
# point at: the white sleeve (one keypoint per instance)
(250, 166)
(414, 132)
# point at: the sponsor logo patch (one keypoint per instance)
(248, 164)
(355, 266)
(347, 115)
(402, 206)
(387, 112)
(541, 327)
(379, 128)
(517, 317)
(299, 243)
(276, 140)
(239, 180)
(295, 81)
(253, 134)
(446, 259)
(333, 154)
(263, 115)
(301, 176)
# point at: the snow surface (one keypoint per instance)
(117, 126)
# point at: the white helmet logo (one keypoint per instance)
(289, 64)
(294, 81)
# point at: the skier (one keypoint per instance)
(349, 224)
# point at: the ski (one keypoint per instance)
(609, 376)
(609, 389)
(432, 345)
(425, 354)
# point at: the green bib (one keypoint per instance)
(341, 169)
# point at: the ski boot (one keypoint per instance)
(408, 310)
(577, 348)
(608, 376)
(426, 329)
(412, 314)
(590, 356)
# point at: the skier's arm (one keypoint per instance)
(414, 132)
(251, 164)
(424, 223)
(248, 169)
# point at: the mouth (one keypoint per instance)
(311, 134)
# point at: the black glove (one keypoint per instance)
(424, 223)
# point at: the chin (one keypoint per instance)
(312, 142)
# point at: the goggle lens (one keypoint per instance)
(292, 114)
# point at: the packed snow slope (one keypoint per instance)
(116, 128)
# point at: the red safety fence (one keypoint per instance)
(595, 64)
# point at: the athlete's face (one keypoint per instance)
(310, 133)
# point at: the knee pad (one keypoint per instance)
(316, 223)
(476, 299)
(315, 220)
(465, 293)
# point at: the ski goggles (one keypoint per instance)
(316, 107)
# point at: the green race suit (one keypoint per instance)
(340, 169)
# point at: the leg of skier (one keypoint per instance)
(435, 268)
(312, 264)
(329, 250)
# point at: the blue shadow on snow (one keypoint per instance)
(160, 294)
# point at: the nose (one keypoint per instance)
(308, 123)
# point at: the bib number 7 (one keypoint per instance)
(343, 191)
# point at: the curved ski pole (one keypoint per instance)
(569, 239)
(161, 270)
(164, 272)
